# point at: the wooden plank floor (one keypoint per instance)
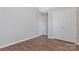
(42, 43)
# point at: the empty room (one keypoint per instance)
(39, 29)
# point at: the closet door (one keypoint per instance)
(64, 24)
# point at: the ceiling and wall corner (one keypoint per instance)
(44, 9)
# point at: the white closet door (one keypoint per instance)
(64, 24)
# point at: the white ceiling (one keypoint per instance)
(44, 9)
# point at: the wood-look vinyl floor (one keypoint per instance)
(42, 43)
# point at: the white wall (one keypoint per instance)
(43, 23)
(63, 25)
(17, 23)
(78, 25)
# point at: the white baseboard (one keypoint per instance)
(63, 40)
(77, 43)
(12, 43)
(51, 37)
